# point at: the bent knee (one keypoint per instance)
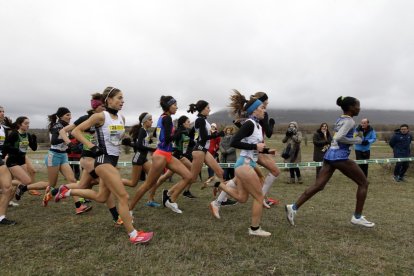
(188, 177)
(7, 189)
(243, 199)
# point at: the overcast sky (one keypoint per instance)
(302, 53)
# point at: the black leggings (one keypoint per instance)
(401, 168)
(292, 172)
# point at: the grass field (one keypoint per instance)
(53, 240)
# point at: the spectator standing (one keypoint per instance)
(213, 149)
(363, 150)
(228, 153)
(294, 138)
(321, 142)
(74, 154)
(400, 143)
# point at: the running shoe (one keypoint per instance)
(215, 209)
(61, 193)
(290, 214)
(119, 222)
(83, 209)
(13, 204)
(19, 191)
(34, 193)
(142, 237)
(173, 206)
(48, 196)
(152, 204)
(362, 221)
(272, 201)
(259, 232)
(188, 194)
(229, 202)
(6, 221)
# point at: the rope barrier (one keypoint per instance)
(280, 165)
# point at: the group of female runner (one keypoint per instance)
(182, 150)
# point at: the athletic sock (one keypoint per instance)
(268, 183)
(114, 213)
(357, 216)
(295, 207)
(78, 204)
(223, 195)
(2, 217)
(24, 188)
(54, 191)
(133, 234)
(67, 193)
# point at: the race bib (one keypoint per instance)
(115, 134)
(23, 145)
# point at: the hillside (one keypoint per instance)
(315, 116)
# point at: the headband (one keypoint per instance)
(171, 102)
(113, 88)
(146, 118)
(253, 106)
(95, 103)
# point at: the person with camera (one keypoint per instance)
(321, 141)
(363, 150)
(292, 139)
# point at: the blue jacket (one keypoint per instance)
(370, 136)
(401, 143)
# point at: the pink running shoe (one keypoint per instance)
(142, 237)
(61, 193)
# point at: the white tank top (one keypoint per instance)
(2, 137)
(255, 138)
(110, 134)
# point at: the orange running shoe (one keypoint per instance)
(48, 196)
(119, 222)
(34, 193)
(83, 209)
(142, 237)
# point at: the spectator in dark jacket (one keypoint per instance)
(294, 138)
(400, 143)
(321, 142)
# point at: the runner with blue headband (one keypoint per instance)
(249, 139)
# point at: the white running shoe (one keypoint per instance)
(362, 221)
(259, 232)
(215, 209)
(290, 214)
(13, 204)
(173, 206)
